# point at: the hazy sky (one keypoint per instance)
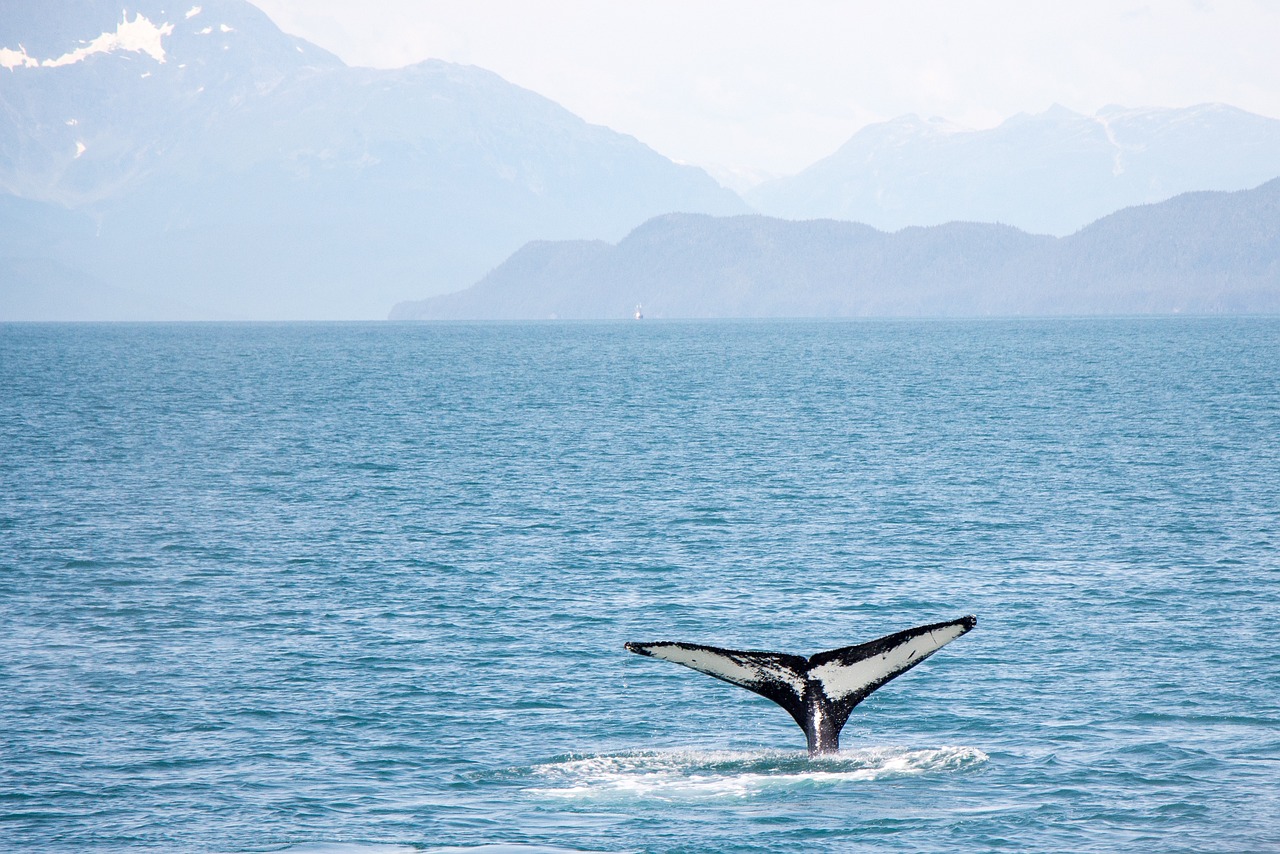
(767, 86)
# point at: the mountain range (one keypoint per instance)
(1051, 173)
(1198, 253)
(195, 162)
(198, 162)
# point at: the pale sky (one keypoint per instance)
(771, 87)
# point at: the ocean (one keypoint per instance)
(364, 588)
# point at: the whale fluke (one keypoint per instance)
(819, 692)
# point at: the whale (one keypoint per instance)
(820, 691)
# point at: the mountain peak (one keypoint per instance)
(139, 36)
(1059, 112)
(148, 31)
(261, 177)
(1049, 172)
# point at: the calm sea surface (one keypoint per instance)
(364, 588)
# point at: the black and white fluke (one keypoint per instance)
(819, 692)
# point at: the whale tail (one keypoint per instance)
(821, 691)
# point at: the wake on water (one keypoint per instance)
(677, 775)
(686, 776)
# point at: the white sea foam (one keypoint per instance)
(348, 848)
(695, 775)
(385, 848)
(506, 848)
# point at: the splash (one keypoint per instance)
(697, 775)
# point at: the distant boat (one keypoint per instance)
(639, 315)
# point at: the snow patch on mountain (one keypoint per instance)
(11, 59)
(1117, 159)
(137, 36)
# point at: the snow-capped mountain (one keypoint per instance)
(1051, 173)
(242, 172)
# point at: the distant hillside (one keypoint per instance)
(1204, 252)
(223, 165)
(1051, 173)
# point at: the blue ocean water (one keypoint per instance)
(364, 588)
